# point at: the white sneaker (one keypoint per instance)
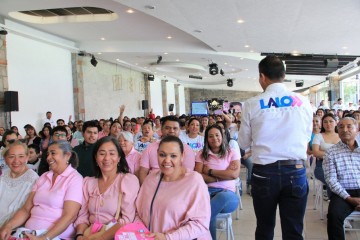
(325, 195)
(347, 224)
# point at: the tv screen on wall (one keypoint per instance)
(199, 108)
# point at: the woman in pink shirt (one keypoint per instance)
(105, 130)
(220, 166)
(126, 141)
(55, 199)
(109, 197)
(173, 202)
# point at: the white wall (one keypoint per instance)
(107, 86)
(42, 75)
(170, 90)
(156, 97)
(182, 100)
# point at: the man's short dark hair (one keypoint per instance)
(59, 120)
(35, 147)
(89, 124)
(273, 68)
(48, 112)
(169, 118)
(6, 133)
(59, 129)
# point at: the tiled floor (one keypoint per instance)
(315, 228)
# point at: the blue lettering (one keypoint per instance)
(262, 105)
(272, 103)
(285, 101)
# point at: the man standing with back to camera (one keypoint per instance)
(277, 125)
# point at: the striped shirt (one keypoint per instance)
(342, 168)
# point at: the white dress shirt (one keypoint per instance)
(277, 124)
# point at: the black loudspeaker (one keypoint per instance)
(11, 101)
(144, 104)
(151, 77)
(330, 96)
(171, 107)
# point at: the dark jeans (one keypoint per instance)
(319, 174)
(339, 209)
(249, 165)
(283, 185)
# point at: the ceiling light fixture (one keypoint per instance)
(159, 59)
(3, 31)
(229, 82)
(102, 39)
(93, 61)
(240, 21)
(169, 37)
(246, 46)
(213, 69)
(222, 72)
(130, 11)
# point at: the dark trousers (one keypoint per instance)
(285, 186)
(339, 209)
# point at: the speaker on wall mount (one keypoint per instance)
(150, 77)
(11, 101)
(144, 104)
(171, 107)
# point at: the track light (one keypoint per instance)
(222, 72)
(3, 32)
(159, 59)
(229, 82)
(81, 54)
(213, 69)
(93, 61)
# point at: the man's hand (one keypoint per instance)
(355, 201)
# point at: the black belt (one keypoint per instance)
(281, 163)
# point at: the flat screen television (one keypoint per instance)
(199, 108)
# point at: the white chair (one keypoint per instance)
(352, 218)
(319, 198)
(224, 224)
(237, 191)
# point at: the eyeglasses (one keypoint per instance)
(11, 141)
(60, 134)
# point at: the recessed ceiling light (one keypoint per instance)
(103, 39)
(130, 11)
(169, 37)
(246, 69)
(117, 59)
(246, 46)
(344, 47)
(240, 21)
(178, 60)
(295, 53)
(165, 53)
(99, 53)
(225, 63)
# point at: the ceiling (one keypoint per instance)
(231, 33)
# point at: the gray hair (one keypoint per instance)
(66, 148)
(128, 136)
(5, 152)
(355, 123)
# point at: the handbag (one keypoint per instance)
(95, 230)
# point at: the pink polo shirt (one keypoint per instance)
(103, 206)
(181, 209)
(133, 160)
(49, 200)
(149, 158)
(214, 162)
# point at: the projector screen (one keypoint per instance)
(199, 108)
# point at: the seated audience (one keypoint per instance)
(170, 126)
(84, 150)
(220, 166)
(34, 157)
(126, 141)
(193, 138)
(115, 129)
(105, 129)
(31, 135)
(342, 174)
(16, 130)
(109, 197)
(16, 181)
(55, 199)
(45, 138)
(8, 138)
(145, 137)
(173, 202)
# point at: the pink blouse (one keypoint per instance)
(181, 209)
(133, 160)
(214, 162)
(49, 200)
(103, 206)
(149, 158)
